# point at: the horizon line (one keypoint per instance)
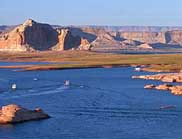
(92, 25)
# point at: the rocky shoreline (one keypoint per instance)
(175, 90)
(166, 78)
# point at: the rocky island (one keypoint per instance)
(15, 114)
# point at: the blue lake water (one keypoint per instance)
(100, 103)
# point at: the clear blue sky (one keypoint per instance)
(93, 12)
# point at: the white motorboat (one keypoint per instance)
(66, 83)
(35, 79)
(13, 86)
(137, 69)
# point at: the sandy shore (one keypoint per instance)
(86, 59)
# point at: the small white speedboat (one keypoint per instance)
(137, 69)
(66, 83)
(167, 107)
(13, 86)
(35, 79)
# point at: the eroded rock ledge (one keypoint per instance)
(15, 114)
(170, 77)
(175, 90)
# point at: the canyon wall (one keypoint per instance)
(66, 40)
(145, 37)
(174, 37)
(33, 36)
(29, 36)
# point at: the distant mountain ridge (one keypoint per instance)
(135, 28)
(117, 28)
(3, 27)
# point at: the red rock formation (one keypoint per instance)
(145, 46)
(174, 89)
(84, 45)
(12, 41)
(36, 36)
(145, 37)
(61, 39)
(174, 37)
(99, 39)
(29, 36)
(149, 86)
(129, 43)
(66, 40)
(168, 77)
(163, 87)
(172, 77)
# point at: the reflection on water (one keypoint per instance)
(99, 103)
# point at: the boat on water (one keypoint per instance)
(35, 79)
(167, 107)
(137, 69)
(66, 83)
(13, 86)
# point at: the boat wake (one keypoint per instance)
(150, 114)
(34, 93)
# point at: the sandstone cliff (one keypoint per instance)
(85, 45)
(66, 40)
(145, 37)
(105, 39)
(33, 36)
(29, 36)
(145, 46)
(99, 38)
(174, 37)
